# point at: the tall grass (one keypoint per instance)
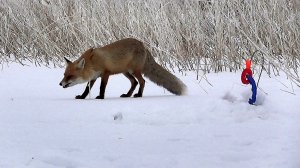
(196, 35)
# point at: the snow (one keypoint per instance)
(43, 126)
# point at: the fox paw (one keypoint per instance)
(100, 97)
(80, 97)
(137, 95)
(125, 95)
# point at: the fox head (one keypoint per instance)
(74, 73)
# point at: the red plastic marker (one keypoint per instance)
(247, 78)
(248, 64)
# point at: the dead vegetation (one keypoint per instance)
(189, 35)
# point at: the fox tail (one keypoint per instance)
(162, 77)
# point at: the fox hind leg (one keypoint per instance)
(104, 80)
(133, 84)
(141, 80)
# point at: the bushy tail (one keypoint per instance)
(162, 77)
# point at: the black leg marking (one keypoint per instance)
(141, 80)
(133, 84)
(87, 90)
(104, 80)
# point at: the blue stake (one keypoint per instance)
(254, 89)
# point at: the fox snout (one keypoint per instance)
(63, 84)
(71, 82)
(60, 84)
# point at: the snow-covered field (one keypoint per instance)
(43, 126)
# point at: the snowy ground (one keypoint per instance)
(43, 126)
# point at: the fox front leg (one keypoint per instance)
(87, 90)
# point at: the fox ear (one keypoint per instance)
(81, 63)
(68, 61)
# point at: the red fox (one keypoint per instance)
(127, 56)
